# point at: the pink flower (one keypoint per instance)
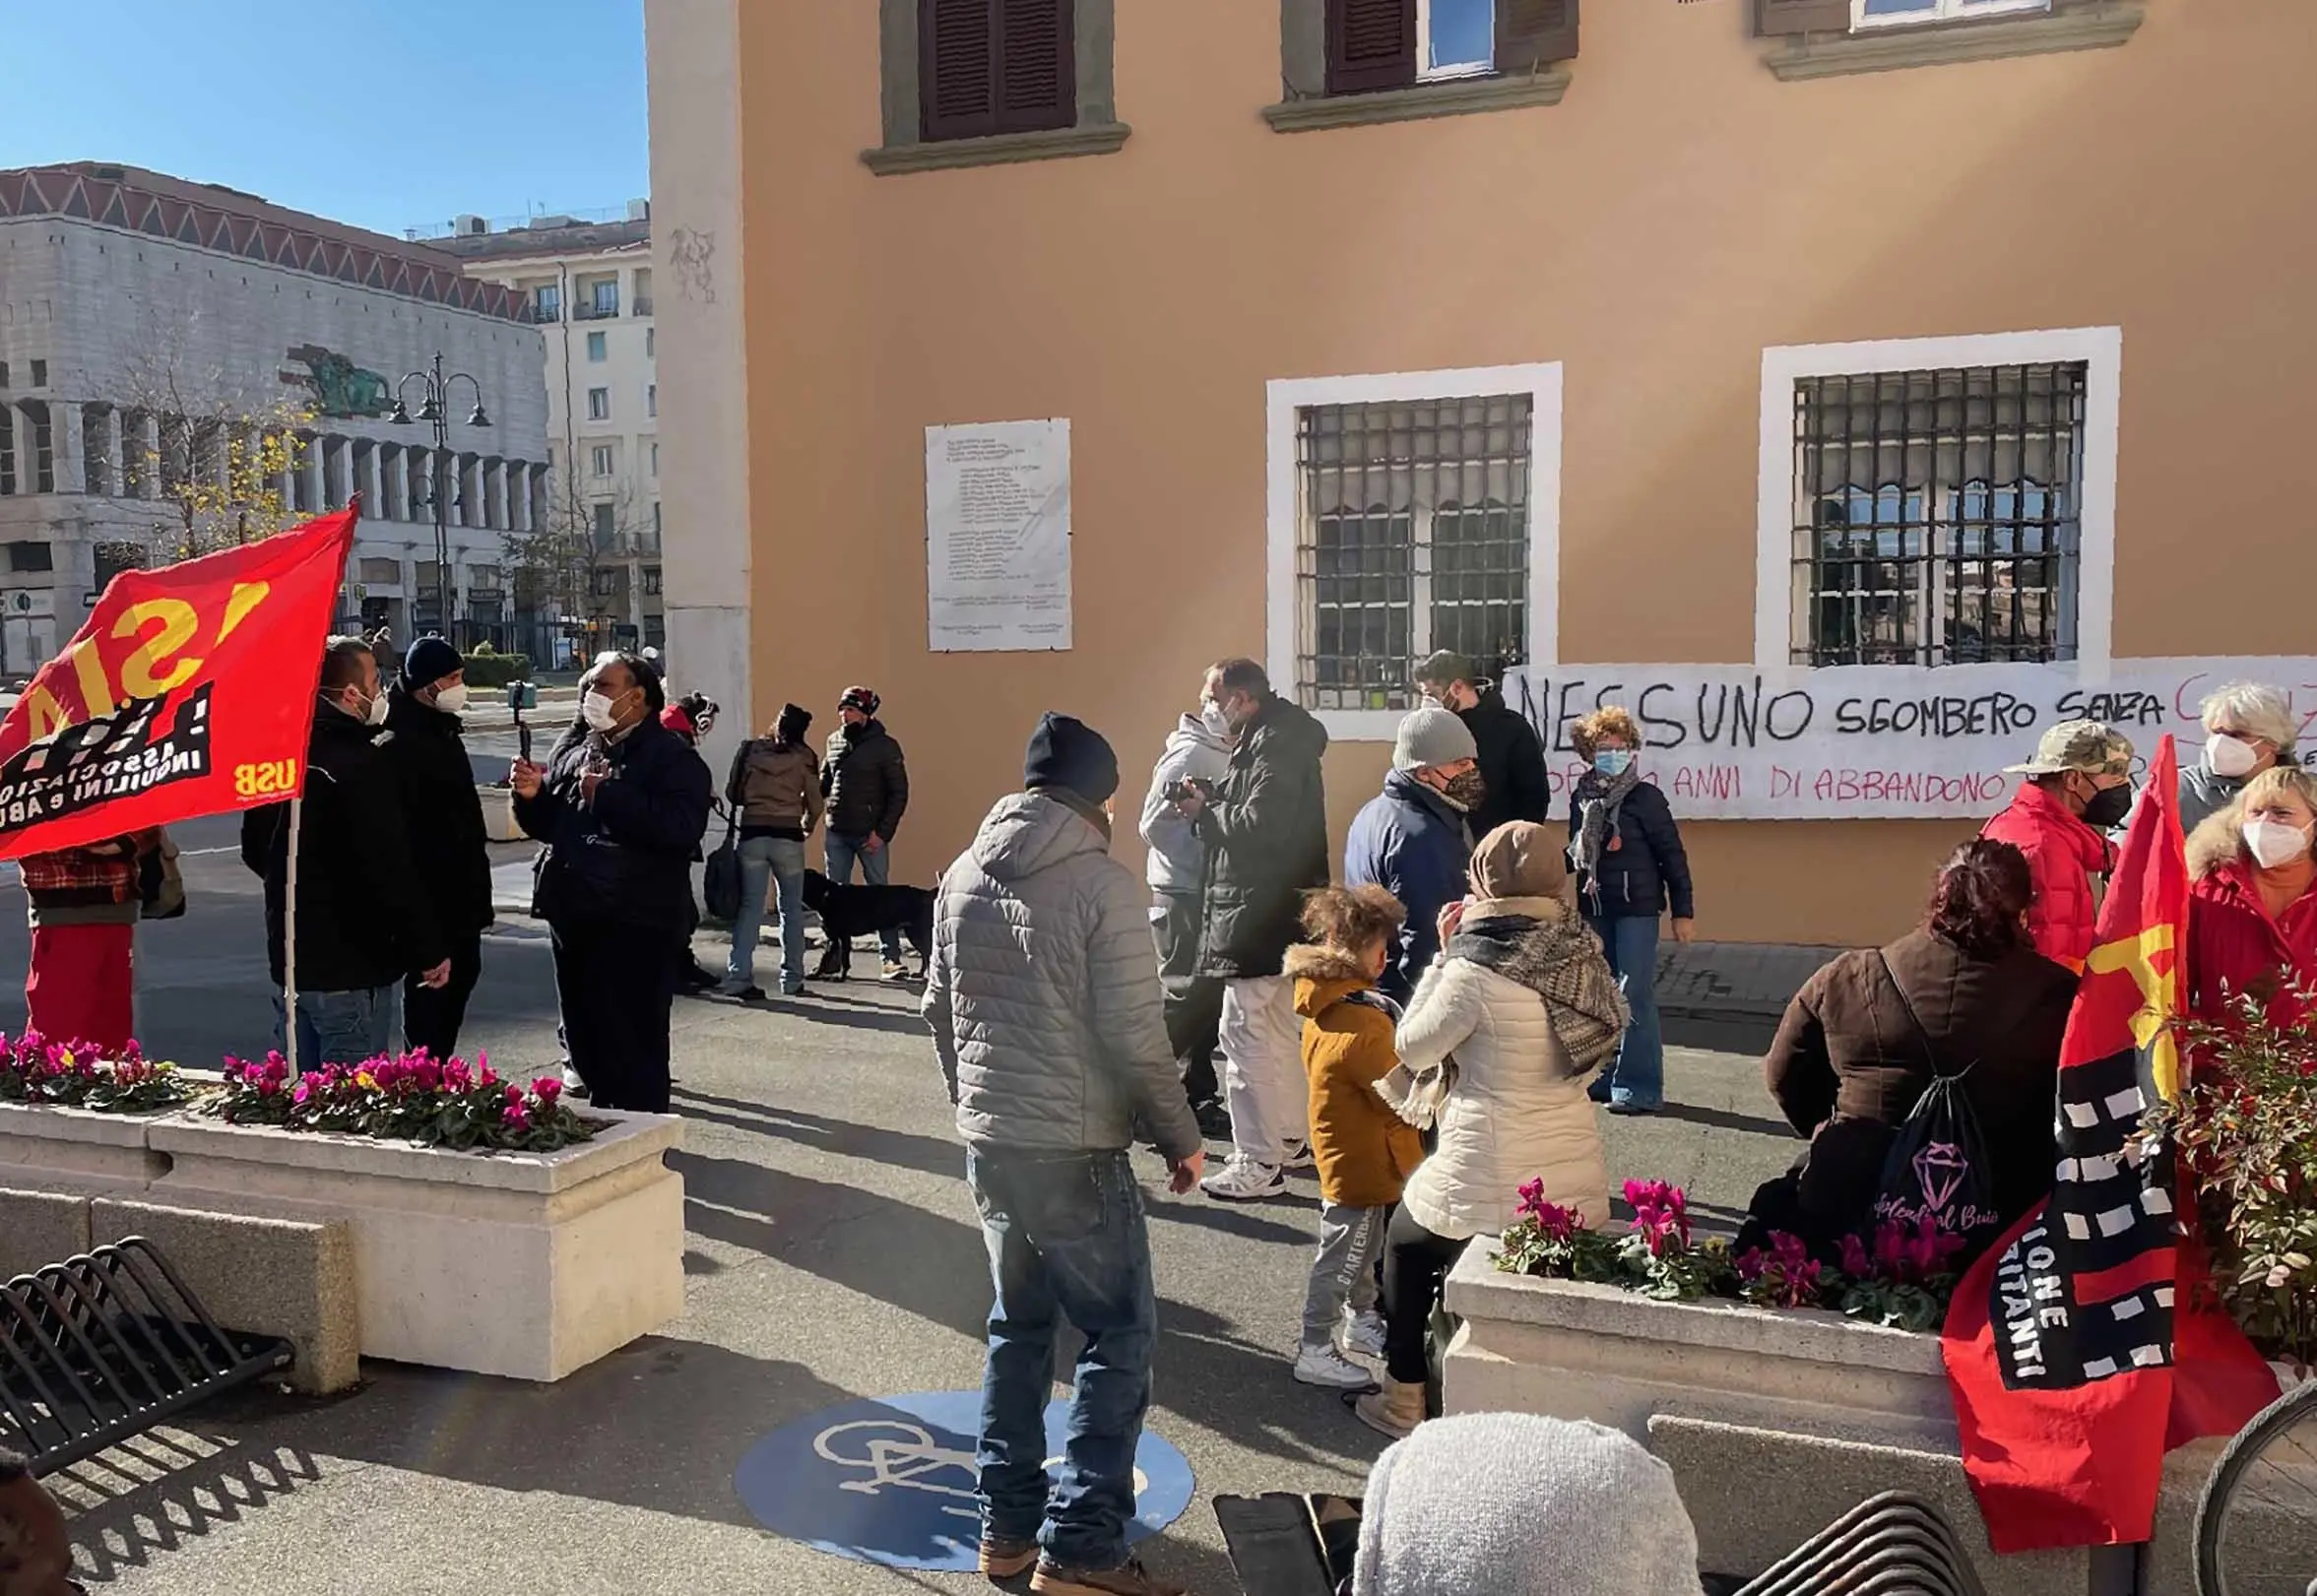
(548, 1090)
(1856, 1262)
(517, 1117)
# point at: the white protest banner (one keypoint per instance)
(1879, 743)
(997, 535)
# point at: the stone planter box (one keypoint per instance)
(498, 813)
(45, 1148)
(527, 1265)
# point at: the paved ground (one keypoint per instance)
(832, 1254)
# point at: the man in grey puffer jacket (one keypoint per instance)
(1044, 1001)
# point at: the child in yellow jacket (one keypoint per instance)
(1365, 1152)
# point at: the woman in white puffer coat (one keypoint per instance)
(1496, 1047)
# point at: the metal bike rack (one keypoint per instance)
(1892, 1545)
(107, 1345)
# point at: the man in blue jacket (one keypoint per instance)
(1412, 839)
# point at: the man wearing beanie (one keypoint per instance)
(1413, 839)
(1512, 759)
(1046, 1012)
(867, 784)
(449, 847)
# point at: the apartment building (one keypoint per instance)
(148, 325)
(1848, 386)
(588, 285)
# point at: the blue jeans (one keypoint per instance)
(1066, 1238)
(875, 867)
(341, 1026)
(765, 861)
(1636, 1077)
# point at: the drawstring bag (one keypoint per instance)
(720, 882)
(1937, 1164)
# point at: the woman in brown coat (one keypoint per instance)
(1967, 994)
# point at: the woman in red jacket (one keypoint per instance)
(2078, 786)
(2252, 918)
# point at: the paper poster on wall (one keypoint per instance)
(997, 535)
(1873, 742)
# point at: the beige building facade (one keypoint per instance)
(1852, 385)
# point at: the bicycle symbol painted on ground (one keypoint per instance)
(905, 1457)
(890, 1480)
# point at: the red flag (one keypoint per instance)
(189, 690)
(2076, 1348)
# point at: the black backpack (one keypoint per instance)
(1937, 1162)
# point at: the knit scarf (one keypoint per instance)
(1598, 798)
(1561, 961)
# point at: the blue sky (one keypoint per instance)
(384, 113)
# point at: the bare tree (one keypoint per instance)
(217, 451)
(589, 524)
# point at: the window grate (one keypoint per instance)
(1937, 515)
(1412, 535)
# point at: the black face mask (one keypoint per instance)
(2108, 806)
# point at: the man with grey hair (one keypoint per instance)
(2249, 725)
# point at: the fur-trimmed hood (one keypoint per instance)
(2218, 840)
(1325, 976)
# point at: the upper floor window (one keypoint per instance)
(651, 399)
(1035, 74)
(598, 404)
(597, 349)
(39, 373)
(651, 343)
(654, 460)
(1886, 13)
(600, 460)
(606, 297)
(546, 303)
(1381, 45)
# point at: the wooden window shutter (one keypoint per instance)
(1037, 66)
(1533, 33)
(1772, 18)
(1371, 44)
(957, 68)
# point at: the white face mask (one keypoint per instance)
(452, 699)
(2274, 843)
(599, 713)
(377, 714)
(1212, 716)
(2226, 755)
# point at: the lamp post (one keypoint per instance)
(434, 409)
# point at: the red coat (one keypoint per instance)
(2063, 854)
(2233, 943)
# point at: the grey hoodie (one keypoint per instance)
(1043, 995)
(1177, 853)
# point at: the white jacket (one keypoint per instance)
(1479, 1060)
(1178, 856)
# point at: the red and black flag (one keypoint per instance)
(2076, 1348)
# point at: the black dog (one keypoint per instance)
(847, 911)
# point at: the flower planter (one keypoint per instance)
(44, 1147)
(527, 1265)
(1776, 1419)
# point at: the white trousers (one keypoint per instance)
(1263, 1083)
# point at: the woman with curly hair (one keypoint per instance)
(2252, 916)
(1630, 867)
(1966, 995)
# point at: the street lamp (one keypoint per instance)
(434, 409)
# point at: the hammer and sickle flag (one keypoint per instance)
(2079, 1349)
(189, 690)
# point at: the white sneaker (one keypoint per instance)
(1243, 1180)
(573, 1084)
(1324, 1366)
(1298, 1157)
(1363, 1334)
(894, 969)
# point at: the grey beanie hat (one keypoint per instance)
(1432, 737)
(1514, 1504)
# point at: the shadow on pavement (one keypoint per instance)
(1727, 1119)
(897, 1149)
(147, 1496)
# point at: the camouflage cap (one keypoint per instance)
(2091, 746)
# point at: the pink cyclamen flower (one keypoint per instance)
(1532, 1198)
(548, 1090)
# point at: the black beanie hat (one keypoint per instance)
(1065, 752)
(795, 721)
(429, 660)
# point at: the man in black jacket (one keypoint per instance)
(622, 804)
(363, 922)
(448, 843)
(867, 784)
(1512, 759)
(1266, 829)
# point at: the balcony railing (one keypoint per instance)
(595, 312)
(544, 315)
(643, 304)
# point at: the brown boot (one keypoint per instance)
(1128, 1578)
(1393, 1411)
(1004, 1558)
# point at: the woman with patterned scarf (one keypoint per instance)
(1495, 1047)
(1630, 867)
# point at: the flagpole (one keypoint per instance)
(289, 942)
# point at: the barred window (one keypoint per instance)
(1412, 533)
(1937, 515)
